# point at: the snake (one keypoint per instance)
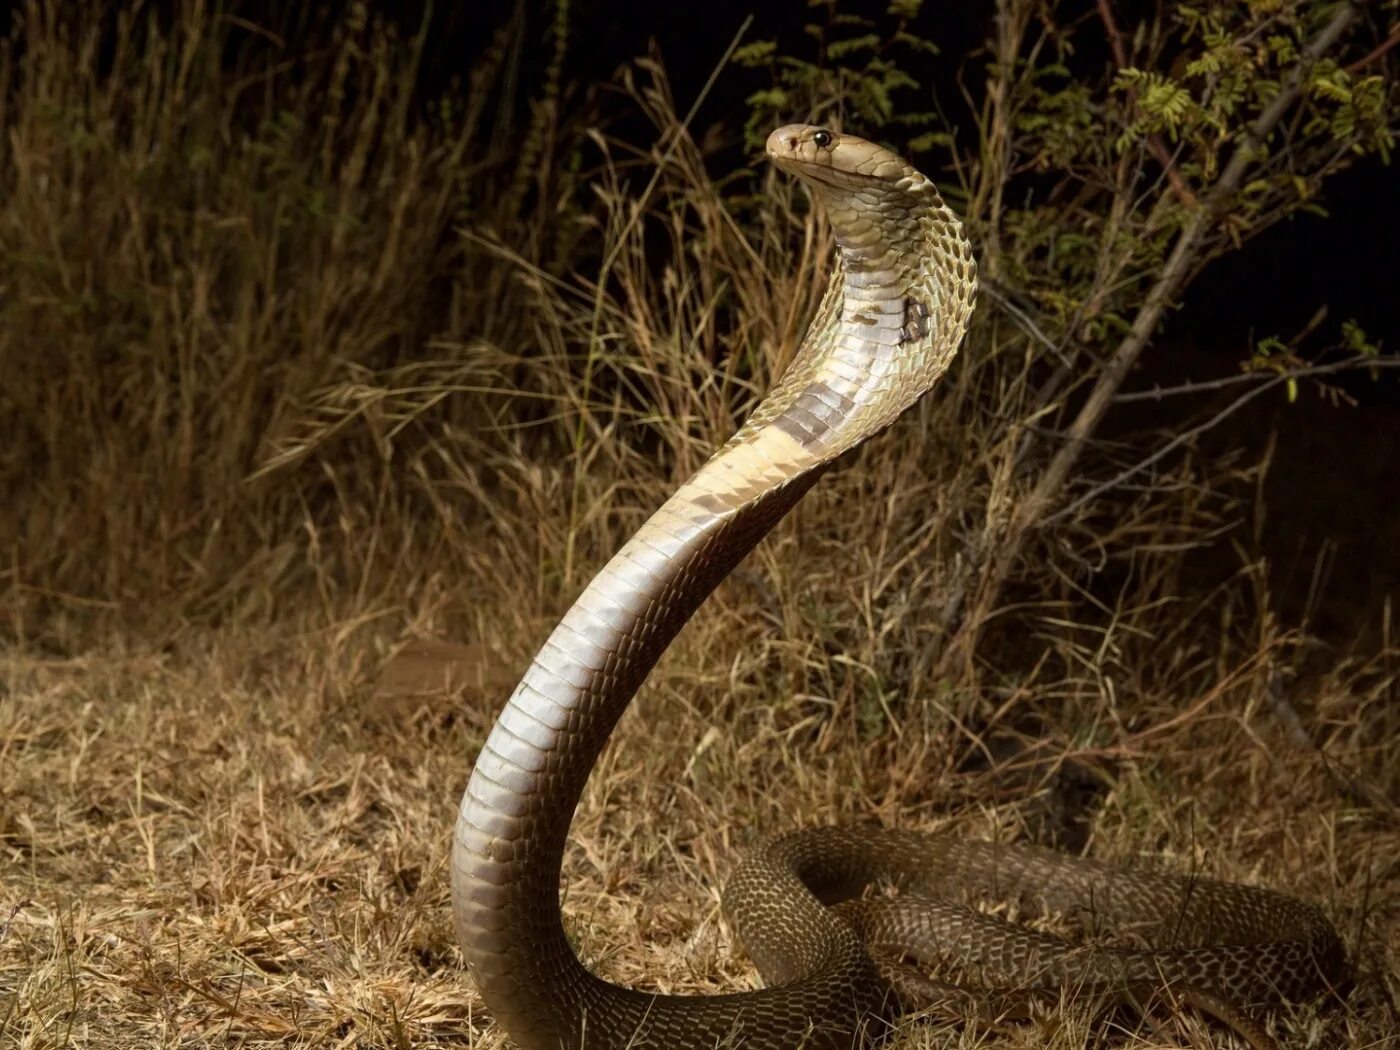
(846, 925)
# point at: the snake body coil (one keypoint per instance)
(836, 962)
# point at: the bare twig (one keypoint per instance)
(1175, 443)
(994, 291)
(9, 919)
(1349, 784)
(1385, 45)
(1158, 393)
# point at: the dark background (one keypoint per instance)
(1331, 493)
(1348, 260)
(1332, 496)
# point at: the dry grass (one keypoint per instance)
(287, 418)
(238, 839)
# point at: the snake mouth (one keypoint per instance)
(828, 176)
(832, 162)
(813, 170)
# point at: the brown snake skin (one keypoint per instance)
(837, 963)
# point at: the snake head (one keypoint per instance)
(884, 212)
(833, 163)
(898, 303)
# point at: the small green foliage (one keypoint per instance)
(1356, 341)
(839, 49)
(758, 53)
(859, 75)
(1165, 105)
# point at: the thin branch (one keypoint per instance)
(1175, 443)
(992, 289)
(1115, 38)
(1386, 45)
(1154, 141)
(1349, 783)
(1273, 380)
(1157, 393)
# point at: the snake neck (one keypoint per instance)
(850, 378)
(515, 815)
(895, 311)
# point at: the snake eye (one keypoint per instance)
(822, 139)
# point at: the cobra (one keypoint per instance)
(837, 961)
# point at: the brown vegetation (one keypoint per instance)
(292, 379)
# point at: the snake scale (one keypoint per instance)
(838, 962)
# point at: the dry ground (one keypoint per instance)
(241, 840)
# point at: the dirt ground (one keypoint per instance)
(241, 840)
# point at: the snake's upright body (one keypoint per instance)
(893, 317)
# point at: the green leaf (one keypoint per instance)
(1354, 338)
(841, 48)
(930, 139)
(759, 53)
